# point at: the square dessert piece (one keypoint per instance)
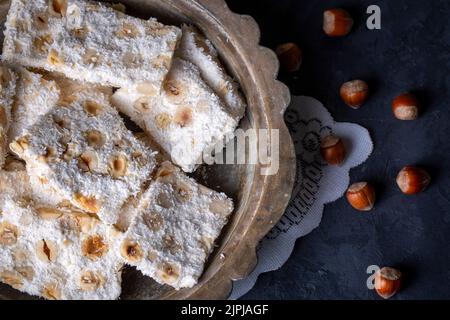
(128, 211)
(35, 96)
(8, 83)
(38, 92)
(88, 41)
(85, 153)
(197, 49)
(187, 119)
(174, 231)
(57, 253)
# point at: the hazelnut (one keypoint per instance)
(118, 166)
(361, 196)
(12, 278)
(46, 250)
(405, 107)
(94, 247)
(183, 192)
(387, 282)
(154, 221)
(337, 22)
(48, 213)
(54, 58)
(163, 120)
(354, 93)
(168, 273)
(90, 204)
(95, 139)
(91, 280)
(92, 108)
(333, 150)
(412, 180)
(58, 8)
(147, 88)
(290, 56)
(183, 116)
(131, 251)
(51, 291)
(8, 233)
(175, 90)
(88, 161)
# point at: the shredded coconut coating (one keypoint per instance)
(35, 96)
(197, 49)
(128, 211)
(186, 118)
(38, 92)
(8, 84)
(174, 231)
(87, 155)
(88, 41)
(57, 253)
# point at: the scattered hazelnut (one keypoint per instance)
(412, 180)
(290, 56)
(387, 282)
(332, 150)
(405, 107)
(354, 93)
(361, 196)
(337, 22)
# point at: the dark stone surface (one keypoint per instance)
(410, 52)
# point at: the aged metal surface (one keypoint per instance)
(260, 200)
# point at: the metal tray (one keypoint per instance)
(260, 200)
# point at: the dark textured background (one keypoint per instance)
(410, 52)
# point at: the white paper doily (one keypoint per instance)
(316, 183)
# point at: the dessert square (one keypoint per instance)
(38, 92)
(57, 253)
(35, 96)
(197, 49)
(88, 41)
(85, 153)
(15, 180)
(174, 231)
(186, 118)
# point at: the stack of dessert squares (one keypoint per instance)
(81, 196)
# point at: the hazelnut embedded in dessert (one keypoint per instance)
(290, 56)
(354, 93)
(405, 107)
(412, 180)
(333, 150)
(337, 22)
(361, 196)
